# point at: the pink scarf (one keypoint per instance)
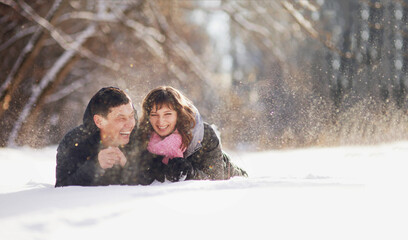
(169, 147)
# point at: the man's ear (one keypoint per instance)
(99, 121)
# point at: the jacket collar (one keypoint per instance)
(198, 135)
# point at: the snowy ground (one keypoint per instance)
(320, 193)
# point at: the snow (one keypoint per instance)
(355, 192)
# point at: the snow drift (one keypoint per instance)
(318, 193)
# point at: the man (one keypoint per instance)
(97, 152)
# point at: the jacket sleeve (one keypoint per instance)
(139, 169)
(76, 165)
(208, 162)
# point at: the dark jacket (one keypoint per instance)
(208, 161)
(203, 159)
(77, 157)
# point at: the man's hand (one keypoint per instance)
(110, 156)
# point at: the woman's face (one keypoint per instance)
(163, 120)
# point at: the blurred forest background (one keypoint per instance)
(270, 74)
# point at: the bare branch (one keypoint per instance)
(18, 36)
(260, 32)
(153, 39)
(44, 82)
(139, 28)
(182, 49)
(66, 41)
(67, 90)
(103, 12)
(176, 71)
(308, 27)
(44, 23)
(27, 49)
(308, 5)
(87, 16)
(248, 25)
(143, 34)
(9, 3)
(268, 17)
(300, 19)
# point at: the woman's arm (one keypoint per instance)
(208, 162)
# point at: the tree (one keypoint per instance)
(274, 74)
(77, 47)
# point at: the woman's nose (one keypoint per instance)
(161, 119)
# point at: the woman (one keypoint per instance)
(183, 146)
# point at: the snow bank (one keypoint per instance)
(318, 193)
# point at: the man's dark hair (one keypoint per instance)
(107, 98)
(101, 104)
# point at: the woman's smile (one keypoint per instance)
(163, 120)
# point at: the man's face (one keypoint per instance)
(116, 127)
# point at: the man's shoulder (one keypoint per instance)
(76, 136)
(76, 132)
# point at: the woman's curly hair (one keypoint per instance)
(175, 100)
